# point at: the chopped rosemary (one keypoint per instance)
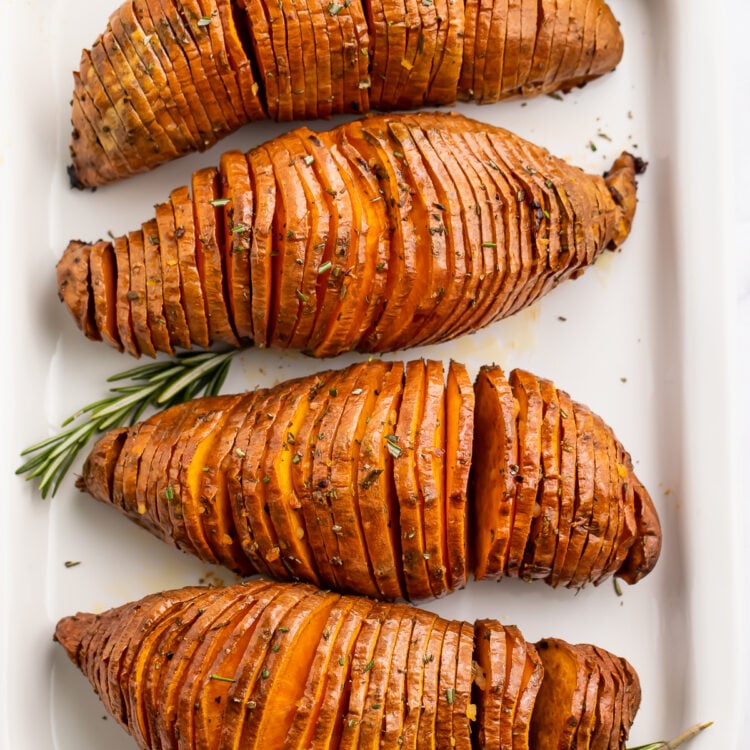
(222, 679)
(219, 202)
(159, 384)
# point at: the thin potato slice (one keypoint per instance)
(493, 472)
(190, 282)
(209, 257)
(104, 291)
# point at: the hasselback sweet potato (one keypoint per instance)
(383, 233)
(167, 78)
(383, 479)
(289, 666)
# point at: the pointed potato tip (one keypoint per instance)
(622, 186)
(70, 632)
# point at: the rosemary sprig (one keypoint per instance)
(160, 384)
(677, 741)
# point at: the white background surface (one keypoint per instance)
(658, 314)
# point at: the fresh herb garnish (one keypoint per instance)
(677, 741)
(222, 679)
(160, 384)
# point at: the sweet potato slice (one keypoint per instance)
(492, 194)
(117, 117)
(355, 298)
(93, 162)
(345, 453)
(628, 531)
(401, 445)
(184, 54)
(567, 490)
(584, 494)
(152, 78)
(251, 669)
(481, 261)
(146, 32)
(341, 618)
(197, 453)
(470, 61)
(284, 669)
(190, 282)
(430, 233)
(261, 278)
(599, 512)
(395, 695)
(492, 45)
(459, 425)
(290, 230)
(191, 694)
(605, 710)
(209, 256)
(131, 90)
(489, 685)
(218, 524)
(530, 683)
(232, 469)
(610, 526)
(197, 49)
(429, 454)
(373, 143)
(515, 666)
(464, 711)
(335, 523)
(155, 315)
(431, 685)
(104, 290)
(446, 695)
(236, 50)
(237, 203)
(540, 551)
(329, 726)
(334, 255)
(189, 654)
(125, 481)
(561, 699)
(373, 715)
(152, 468)
(376, 490)
(361, 672)
(98, 469)
(447, 62)
(419, 661)
(74, 287)
(210, 24)
(138, 293)
(300, 146)
(174, 309)
(493, 472)
(282, 505)
(256, 479)
(450, 219)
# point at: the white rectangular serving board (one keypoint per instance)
(644, 342)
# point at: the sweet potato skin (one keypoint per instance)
(339, 479)
(228, 667)
(345, 244)
(239, 61)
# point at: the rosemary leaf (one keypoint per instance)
(159, 384)
(677, 741)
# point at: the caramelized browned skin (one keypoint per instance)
(374, 236)
(340, 479)
(265, 665)
(168, 78)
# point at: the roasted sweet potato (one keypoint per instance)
(275, 665)
(374, 236)
(381, 479)
(167, 78)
